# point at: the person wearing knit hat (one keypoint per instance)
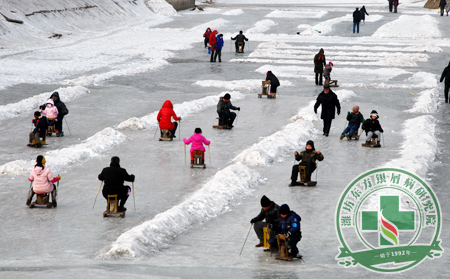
(223, 110)
(268, 215)
(330, 103)
(114, 177)
(308, 159)
(43, 180)
(39, 131)
(354, 118)
(373, 129)
(289, 226)
(197, 140)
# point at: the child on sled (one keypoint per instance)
(354, 118)
(373, 129)
(197, 141)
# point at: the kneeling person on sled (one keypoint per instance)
(289, 226)
(270, 214)
(39, 131)
(43, 180)
(373, 129)
(164, 118)
(114, 177)
(197, 140)
(308, 159)
(354, 118)
(223, 109)
(274, 82)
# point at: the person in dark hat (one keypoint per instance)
(114, 177)
(289, 226)
(308, 159)
(373, 129)
(39, 131)
(240, 38)
(223, 109)
(269, 213)
(330, 103)
(62, 111)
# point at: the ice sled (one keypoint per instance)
(355, 136)
(166, 135)
(266, 90)
(266, 235)
(43, 199)
(43, 142)
(220, 127)
(333, 83)
(372, 143)
(283, 253)
(198, 159)
(302, 172)
(51, 126)
(112, 207)
(240, 47)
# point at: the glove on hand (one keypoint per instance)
(315, 111)
(59, 176)
(239, 109)
(132, 178)
(287, 235)
(339, 111)
(252, 221)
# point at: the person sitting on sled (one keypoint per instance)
(269, 213)
(197, 140)
(274, 82)
(39, 131)
(373, 129)
(308, 159)
(240, 38)
(114, 177)
(354, 118)
(43, 180)
(289, 226)
(223, 109)
(50, 110)
(327, 72)
(164, 118)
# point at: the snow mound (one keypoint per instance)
(238, 85)
(217, 23)
(288, 138)
(426, 103)
(296, 14)
(161, 7)
(182, 110)
(422, 80)
(31, 104)
(217, 196)
(419, 27)
(326, 26)
(419, 147)
(262, 26)
(94, 146)
(234, 12)
(425, 48)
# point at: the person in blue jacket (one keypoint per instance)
(289, 226)
(219, 47)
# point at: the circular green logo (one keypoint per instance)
(388, 220)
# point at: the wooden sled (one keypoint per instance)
(302, 172)
(220, 127)
(112, 207)
(42, 200)
(198, 159)
(166, 135)
(333, 83)
(51, 126)
(373, 142)
(266, 90)
(283, 253)
(240, 47)
(266, 235)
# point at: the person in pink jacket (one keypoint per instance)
(197, 141)
(50, 110)
(43, 180)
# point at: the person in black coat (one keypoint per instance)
(319, 63)
(114, 177)
(356, 20)
(62, 109)
(223, 110)
(39, 131)
(373, 129)
(240, 38)
(274, 82)
(330, 102)
(391, 4)
(269, 213)
(363, 13)
(446, 75)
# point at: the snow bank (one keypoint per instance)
(238, 85)
(220, 193)
(427, 102)
(234, 12)
(32, 104)
(419, 27)
(182, 110)
(419, 147)
(288, 138)
(261, 26)
(94, 146)
(161, 7)
(296, 14)
(326, 26)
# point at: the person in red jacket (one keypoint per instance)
(165, 118)
(213, 44)
(206, 36)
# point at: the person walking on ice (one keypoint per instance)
(373, 129)
(354, 118)
(319, 64)
(329, 102)
(446, 75)
(197, 140)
